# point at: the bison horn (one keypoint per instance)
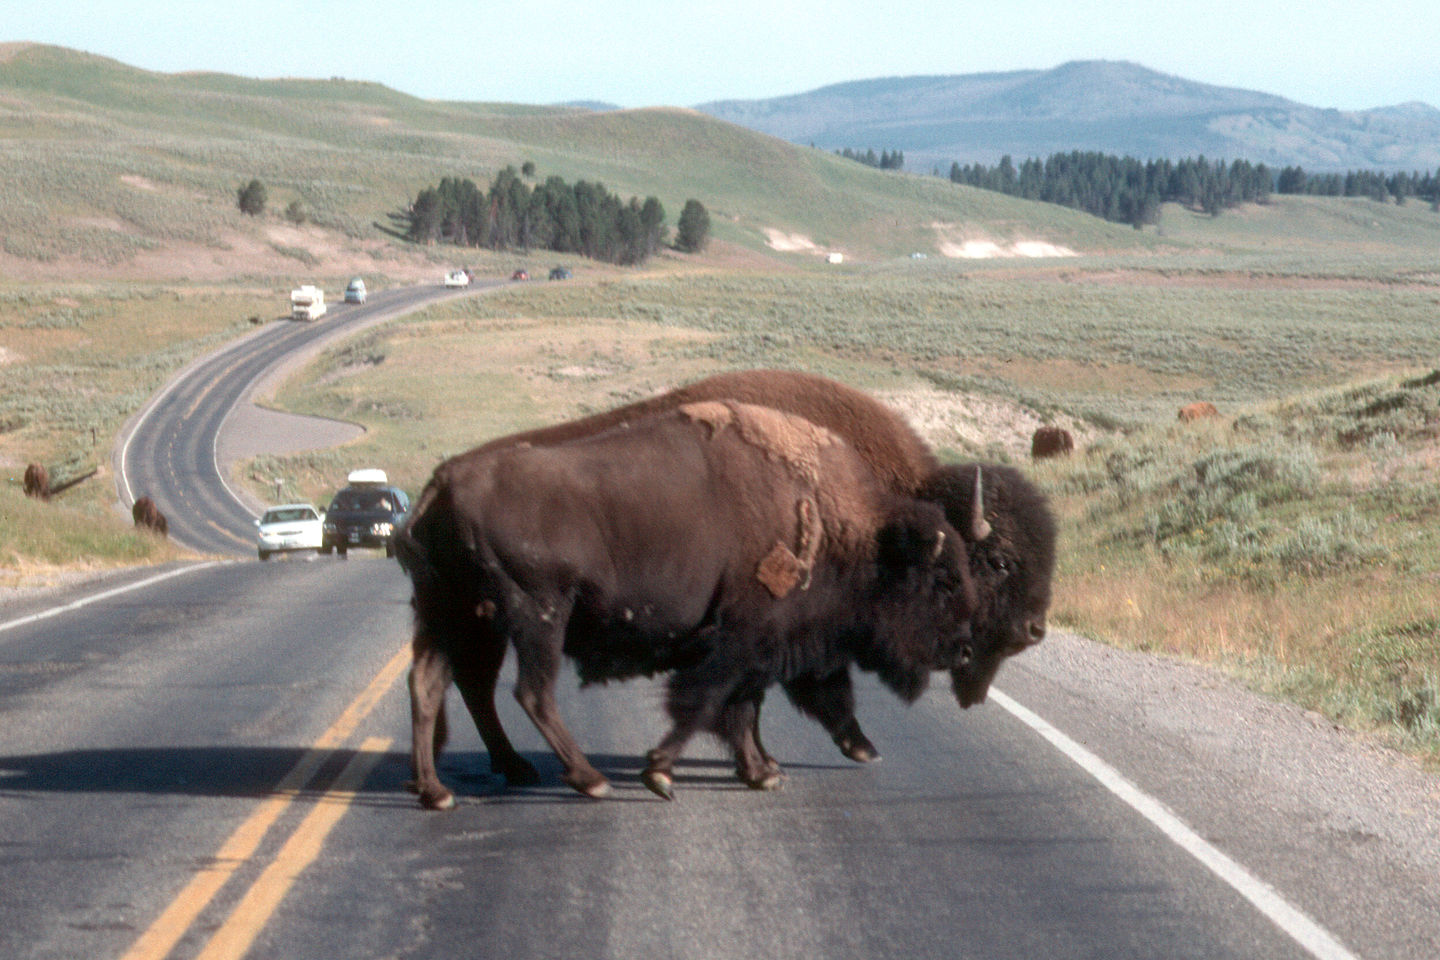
(979, 529)
(939, 544)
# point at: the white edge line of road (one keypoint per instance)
(105, 595)
(150, 405)
(1314, 938)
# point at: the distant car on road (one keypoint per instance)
(520, 275)
(560, 273)
(364, 513)
(355, 292)
(287, 528)
(457, 278)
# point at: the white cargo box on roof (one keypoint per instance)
(371, 475)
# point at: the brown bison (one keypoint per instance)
(1051, 442)
(730, 545)
(1011, 546)
(1203, 410)
(37, 482)
(147, 516)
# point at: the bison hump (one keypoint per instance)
(783, 437)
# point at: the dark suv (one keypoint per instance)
(365, 513)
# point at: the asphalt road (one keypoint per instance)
(171, 450)
(193, 731)
(210, 761)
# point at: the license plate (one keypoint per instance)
(354, 537)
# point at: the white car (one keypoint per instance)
(289, 527)
(457, 278)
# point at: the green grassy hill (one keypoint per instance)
(103, 163)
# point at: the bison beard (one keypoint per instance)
(579, 550)
(1011, 563)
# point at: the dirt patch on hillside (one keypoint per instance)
(789, 242)
(974, 423)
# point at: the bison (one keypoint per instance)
(37, 482)
(1051, 442)
(147, 516)
(731, 545)
(1202, 410)
(1011, 546)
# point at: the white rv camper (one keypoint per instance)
(307, 303)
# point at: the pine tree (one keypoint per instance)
(692, 231)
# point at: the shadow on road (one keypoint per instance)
(256, 771)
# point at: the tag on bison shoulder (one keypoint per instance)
(780, 571)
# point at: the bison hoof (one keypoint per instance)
(596, 787)
(442, 800)
(770, 781)
(860, 752)
(659, 783)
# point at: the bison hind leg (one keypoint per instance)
(738, 724)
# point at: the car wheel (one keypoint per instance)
(325, 550)
(389, 549)
(264, 554)
(341, 551)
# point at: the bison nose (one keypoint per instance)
(1036, 630)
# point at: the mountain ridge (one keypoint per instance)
(1109, 106)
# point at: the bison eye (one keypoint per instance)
(999, 564)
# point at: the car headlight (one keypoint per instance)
(330, 527)
(384, 529)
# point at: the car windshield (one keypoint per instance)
(289, 515)
(363, 500)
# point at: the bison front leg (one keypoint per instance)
(429, 679)
(831, 701)
(538, 654)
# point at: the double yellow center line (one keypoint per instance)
(258, 904)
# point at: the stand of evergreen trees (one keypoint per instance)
(1362, 183)
(584, 218)
(1123, 189)
(885, 161)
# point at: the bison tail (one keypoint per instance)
(412, 554)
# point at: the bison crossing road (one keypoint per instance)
(753, 528)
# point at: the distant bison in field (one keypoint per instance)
(1202, 410)
(147, 516)
(1051, 442)
(1008, 531)
(37, 482)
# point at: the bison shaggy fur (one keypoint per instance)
(147, 516)
(1051, 442)
(1014, 563)
(37, 482)
(730, 545)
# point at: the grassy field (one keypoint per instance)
(1292, 542)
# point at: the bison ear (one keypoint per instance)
(911, 538)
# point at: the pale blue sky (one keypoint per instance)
(1327, 53)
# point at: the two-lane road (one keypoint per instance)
(170, 450)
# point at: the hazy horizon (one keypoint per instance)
(636, 54)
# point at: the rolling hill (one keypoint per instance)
(122, 170)
(1111, 107)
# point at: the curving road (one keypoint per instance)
(171, 450)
